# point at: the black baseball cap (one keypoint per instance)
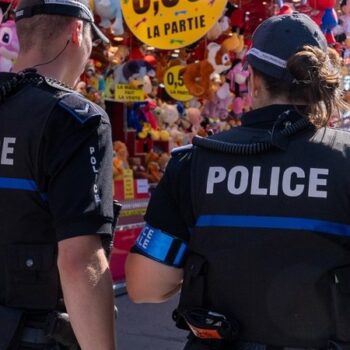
(70, 8)
(278, 38)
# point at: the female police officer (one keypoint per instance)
(258, 217)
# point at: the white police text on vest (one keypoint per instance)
(7, 150)
(291, 182)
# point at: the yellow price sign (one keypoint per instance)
(171, 24)
(174, 84)
(128, 180)
(127, 93)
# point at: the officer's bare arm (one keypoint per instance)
(87, 288)
(149, 281)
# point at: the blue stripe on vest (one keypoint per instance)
(20, 184)
(157, 244)
(274, 222)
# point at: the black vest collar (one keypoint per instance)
(265, 117)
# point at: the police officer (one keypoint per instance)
(258, 217)
(55, 188)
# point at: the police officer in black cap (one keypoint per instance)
(55, 187)
(257, 217)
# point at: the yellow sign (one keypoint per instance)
(127, 93)
(128, 180)
(133, 212)
(171, 24)
(174, 84)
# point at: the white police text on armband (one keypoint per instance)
(93, 162)
(145, 237)
(7, 150)
(291, 182)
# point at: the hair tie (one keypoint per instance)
(298, 82)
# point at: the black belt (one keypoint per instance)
(32, 335)
(242, 345)
(270, 347)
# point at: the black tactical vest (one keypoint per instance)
(271, 246)
(28, 249)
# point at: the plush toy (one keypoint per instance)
(111, 15)
(220, 27)
(133, 120)
(237, 77)
(153, 172)
(133, 72)
(146, 129)
(9, 45)
(234, 43)
(139, 171)
(120, 159)
(285, 9)
(329, 18)
(89, 76)
(197, 76)
(163, 161)
(193, 126)
(117, 54)
(344, 19)
(167, 116)
(147, 111)
(219, 105)
(147, 85)
(312, 11)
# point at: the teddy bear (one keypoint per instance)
(197, 76)
(120, 159)
(167, 116)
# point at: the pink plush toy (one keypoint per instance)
(241, 104)
(220, 104)
(238, 78)
(9, 45)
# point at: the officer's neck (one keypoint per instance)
(58, 69)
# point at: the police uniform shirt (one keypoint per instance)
(55, 166)
(272, 228)
(170, 209)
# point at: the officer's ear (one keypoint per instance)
(77, 32)
(256, 84)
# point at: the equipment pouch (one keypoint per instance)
(59, 328)
(206, 324)
(31, 276)
(340, 302)
(11, 322)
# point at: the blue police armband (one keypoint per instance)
(161, 246)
